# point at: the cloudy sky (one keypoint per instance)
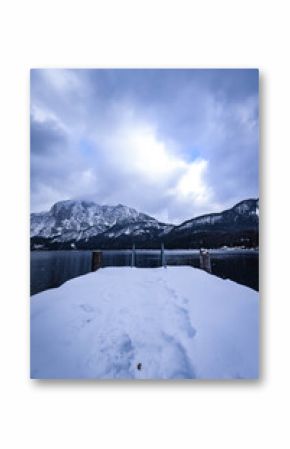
(171, 143)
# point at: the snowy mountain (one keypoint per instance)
(238, 226)
(73, 221)
(84, 224)
(244, 213)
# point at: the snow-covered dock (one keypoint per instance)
(142, 323)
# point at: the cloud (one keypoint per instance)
(171, 143)
(152, 174)
(46, 136)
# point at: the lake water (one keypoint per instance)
(50, 269)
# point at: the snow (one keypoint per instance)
(204, 220)
(72, 220)
(178, 322)
(208, 219)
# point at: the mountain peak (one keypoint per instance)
(79, 219)
(91, 225)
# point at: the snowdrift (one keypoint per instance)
(140, 323)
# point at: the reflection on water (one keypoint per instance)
(241, 269)
(239, 266)
(50, 269)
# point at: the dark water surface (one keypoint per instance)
(50, 269)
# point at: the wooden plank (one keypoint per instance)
(96, 260)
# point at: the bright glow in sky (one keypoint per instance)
(170, 143)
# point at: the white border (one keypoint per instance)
(140, 34)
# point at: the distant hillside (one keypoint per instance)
(87, 225)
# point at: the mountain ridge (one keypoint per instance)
(86, 225)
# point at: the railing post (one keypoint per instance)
(133, 256)
(96, 260)
(204, 260)
(163, 260)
